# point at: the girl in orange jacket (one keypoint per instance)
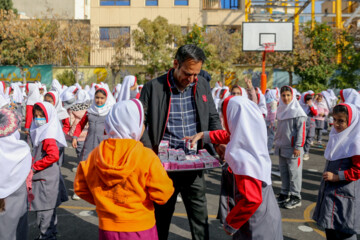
(123, 178)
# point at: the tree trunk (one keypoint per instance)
(290, 78)
(222, 77)
(22, 74)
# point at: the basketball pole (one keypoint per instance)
(263, 75)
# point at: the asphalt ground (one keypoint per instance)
(78, 220)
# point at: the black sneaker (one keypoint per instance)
(282, 198)
(293, 203)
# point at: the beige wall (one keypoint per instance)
(111, 16)
(39, 8)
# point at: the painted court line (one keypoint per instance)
(307, 218)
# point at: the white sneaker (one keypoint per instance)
(178, 199)
(74, 169)
(271, 152)
(306, 157)
(75, 197)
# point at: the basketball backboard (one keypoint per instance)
(256, 34)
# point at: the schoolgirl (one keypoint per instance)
(15, 165)
(261, 102)
(123, 178)
(17, 98)
(95, 115)
(53, 98)
(116, 91)
(255, 215)
(128, 89)
(76, 113)
(323, 111)
(306, 102)
(289, 142)
(47, 137)
(338, 206)
(272, 101)
(350, 95)
(34, 96)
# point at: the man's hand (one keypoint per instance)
(194, 138)
(331, 177)
(220, 149)
(296, 153)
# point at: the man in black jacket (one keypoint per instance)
(176, 105)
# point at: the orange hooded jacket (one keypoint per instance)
(123, 179)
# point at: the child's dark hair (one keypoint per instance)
(37, 107)
(341, 109)
(101, 91)
(285, 89)
(49, 95)
(308, 97)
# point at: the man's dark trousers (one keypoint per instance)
(191, 185)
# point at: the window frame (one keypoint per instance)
(115, 3)
(108, 42)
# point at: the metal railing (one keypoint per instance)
(221, 4)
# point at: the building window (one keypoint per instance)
(109, 35)
(181, 2)
(151, 2)
(115, 3)
(221, 4)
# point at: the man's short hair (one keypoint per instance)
(190, 51)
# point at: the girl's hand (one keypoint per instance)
(195, 138)
(74, 143)
(331, 177)
(296, 153)
(248, 83)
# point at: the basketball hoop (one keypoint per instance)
(269, 47)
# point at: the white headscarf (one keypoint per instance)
(78, 86)
(33, 95)
(103, 111)
(271, 96)
(346, 143)
(82, 97)
(52, 128)
(55, 85)
(350, 95)
(303, 104)
(3, 101)
(15, 163)
(128, 82)
(328, 100)
(2, 88)
(125, 120)
(291, 110)
(87, 88)
(247, 153)
(117, 91)
(93, 90)
(18, 96)
(61, 112)
(261, 102)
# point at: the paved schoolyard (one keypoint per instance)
(78, 220)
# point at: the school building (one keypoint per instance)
(113, 18)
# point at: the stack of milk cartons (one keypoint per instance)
(208, 160)
(163, 154)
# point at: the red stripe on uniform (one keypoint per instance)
(299, 161)
(303, 135)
